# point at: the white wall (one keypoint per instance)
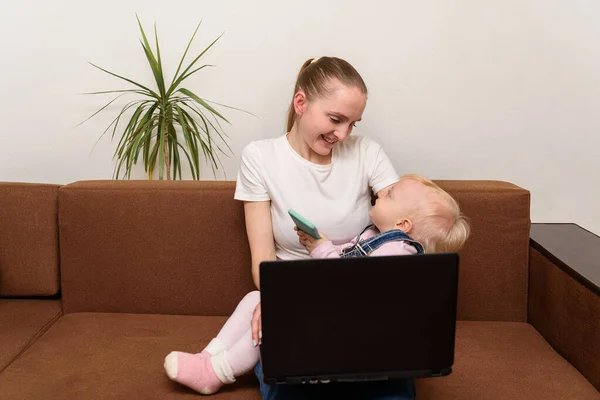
(458, 90)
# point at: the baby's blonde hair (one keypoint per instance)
(441, 227)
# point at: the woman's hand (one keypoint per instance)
(308, 241)
(256, 326)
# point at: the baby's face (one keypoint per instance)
(397, 201)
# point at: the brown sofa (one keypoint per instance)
(100, 280)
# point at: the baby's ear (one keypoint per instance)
(405, 225)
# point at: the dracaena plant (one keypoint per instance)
(165, 123)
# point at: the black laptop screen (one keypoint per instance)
(358, 316)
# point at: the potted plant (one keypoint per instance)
(164, 124)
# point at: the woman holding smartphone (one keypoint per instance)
(318, 169)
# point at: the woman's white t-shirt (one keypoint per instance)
(335, 197)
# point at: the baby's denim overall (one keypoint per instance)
(364, 247)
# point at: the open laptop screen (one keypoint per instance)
(358, 318)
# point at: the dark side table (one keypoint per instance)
(564, 293)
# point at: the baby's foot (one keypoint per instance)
(193, 370)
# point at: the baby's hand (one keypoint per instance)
(308, 241)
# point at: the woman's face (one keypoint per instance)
(324, 121)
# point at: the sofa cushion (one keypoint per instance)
(28, 239)
(153, 247)
(120, 356)
(113, 356)
(506, 360)
(21, 322)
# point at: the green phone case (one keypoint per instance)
(304, 225)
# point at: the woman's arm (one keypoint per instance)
(262, 248)
(382, 172)
(260, 235)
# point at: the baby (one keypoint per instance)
(412, 216)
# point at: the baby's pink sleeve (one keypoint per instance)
(395, 248)
(326, 250)
(329, 250)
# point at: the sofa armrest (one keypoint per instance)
(564, 293)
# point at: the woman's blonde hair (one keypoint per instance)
(315, 76)
(441, 227)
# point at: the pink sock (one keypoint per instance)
(202, 372)
(208, 371)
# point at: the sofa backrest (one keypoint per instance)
(28, 240)
(181, 248)
(160, 247)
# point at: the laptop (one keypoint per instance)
(358, 319)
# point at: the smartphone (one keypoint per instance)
(304, 225)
